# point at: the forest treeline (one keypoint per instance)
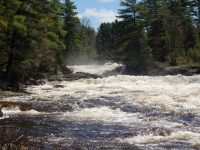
(163, 31)
(40, 35)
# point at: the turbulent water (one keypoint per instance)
(115, 112)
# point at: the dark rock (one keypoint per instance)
(58, 86)
(35, 82)
(153, 69)
(157, 131)
(150, 69)
(65, 70)
(68, 108)
(193, 71)
(175, 70)
(116, 71)
(55, 78)
(80, 75)
(184, 70)
(1, 113)
(20, 105)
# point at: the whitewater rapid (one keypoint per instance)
(95, 69)
(150, 112)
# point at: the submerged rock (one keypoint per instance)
(22, 106)
(58, 86)
(116, 71)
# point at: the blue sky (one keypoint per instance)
(97, 11)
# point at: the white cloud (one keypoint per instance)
(106, 1)
(101, 15)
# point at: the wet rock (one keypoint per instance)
(68, 108)
(58, 86)
(184, 70)
(20, 105)
(193, 71)
(116, 71)
(56, 78)
(35, 82)
(128, 135)
(188, 117)
(1, 113)
(81, 75)
(150, 69)
(175, 70)
(157, 131)
(153, 69)
(196, 146)
(65, 70)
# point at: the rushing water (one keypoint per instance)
(115, 112)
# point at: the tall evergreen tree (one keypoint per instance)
(33, 32)
(72, 25)
(133, 42)
(154, 13)
(88, 40)
(104, 38)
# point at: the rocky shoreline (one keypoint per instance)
(156, 70)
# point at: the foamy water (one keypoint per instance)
(95, 69)
(149, 112)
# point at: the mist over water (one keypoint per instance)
(160, 112)
(98, 69)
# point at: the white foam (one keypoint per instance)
(94, 69)
(186, 136)
(172, 94)
(15, 110)
(103, 115)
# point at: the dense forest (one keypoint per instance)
(162, 31)
(41, 36)
(38, 36)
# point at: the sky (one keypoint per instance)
(97, 11)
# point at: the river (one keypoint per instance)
(114, 112)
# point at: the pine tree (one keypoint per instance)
(72, 25)
(33, 34)
(88, 40)
(133, 43)
(180, 30)
(130, 11)
(154, 13)
(104, 40)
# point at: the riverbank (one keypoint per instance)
(154, 69)
(66, 74)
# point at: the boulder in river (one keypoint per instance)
(1, 113)
(184, 70)
(81, 75)
(22, 106)
(58, 86)
(151, 69)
